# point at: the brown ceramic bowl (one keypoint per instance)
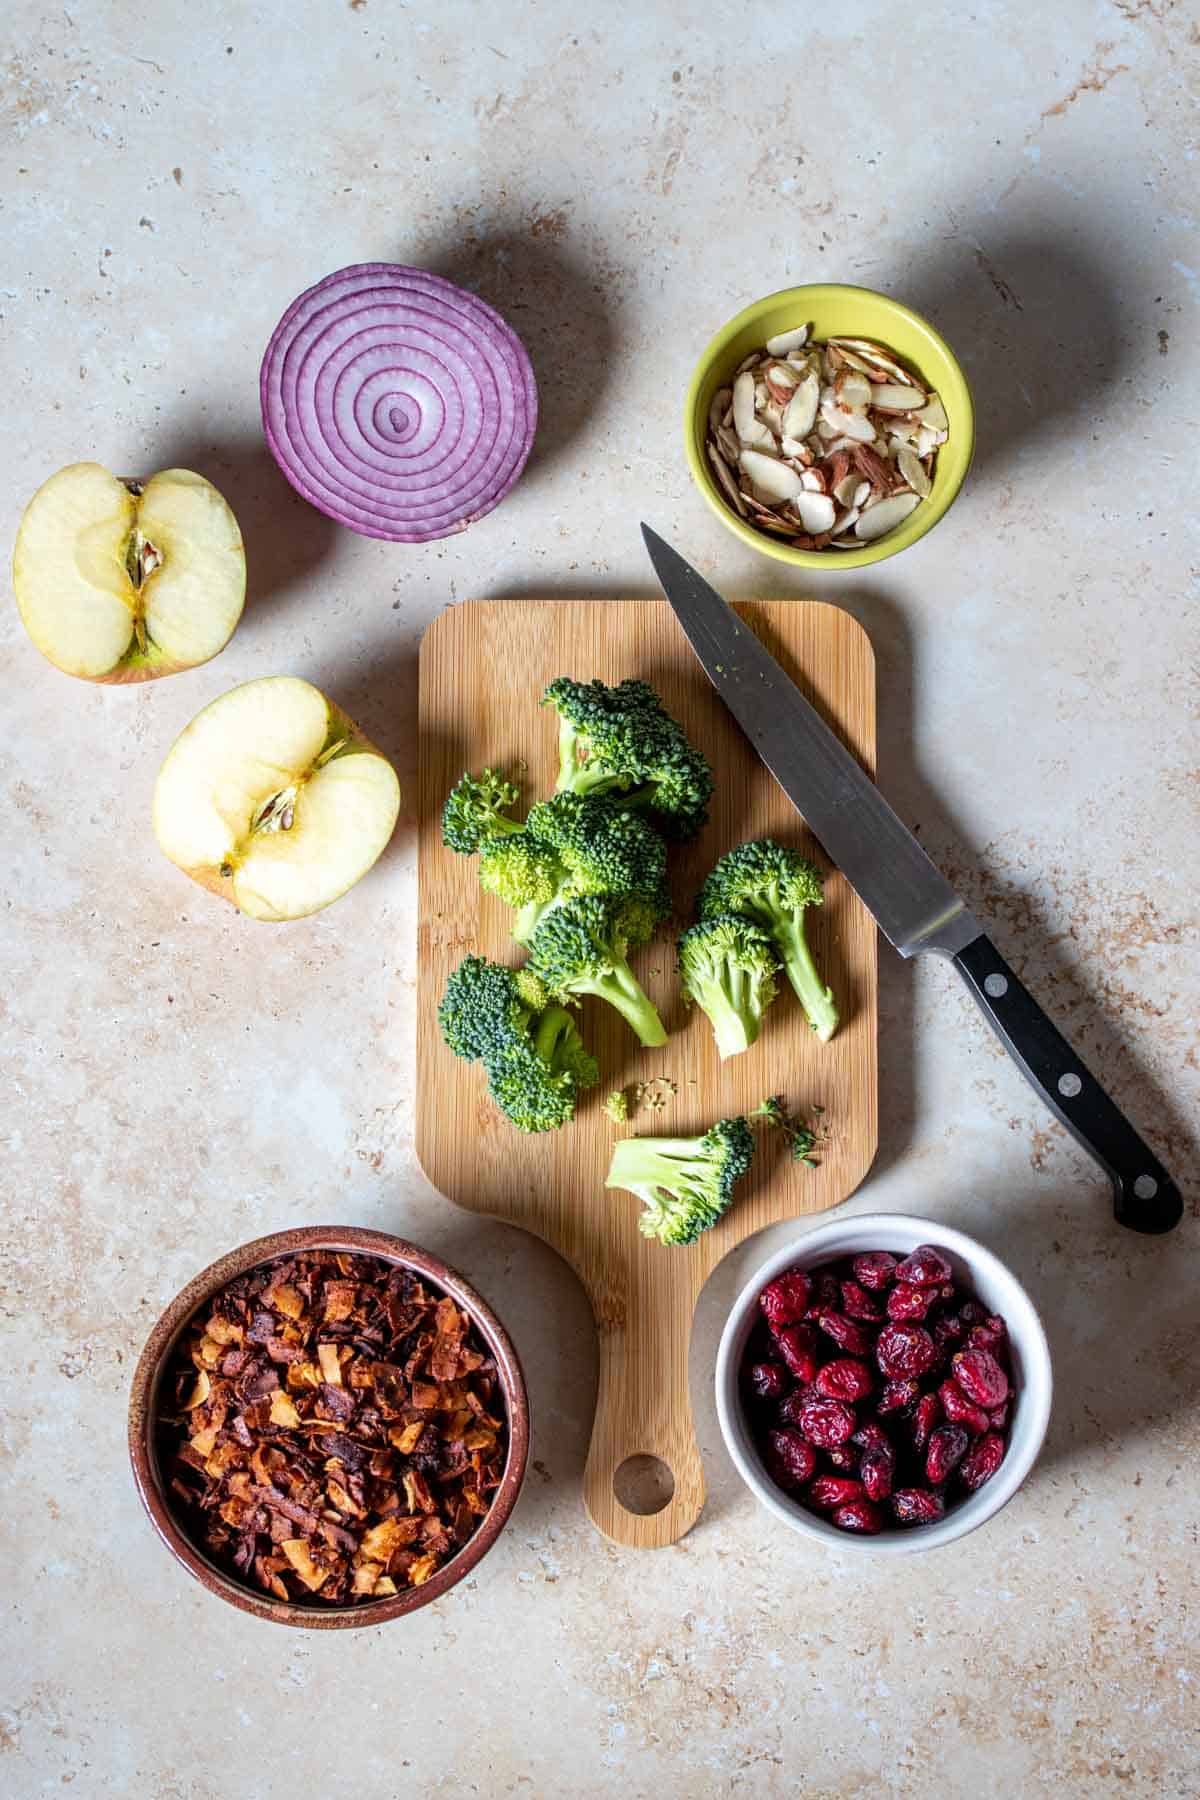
(143, 1410)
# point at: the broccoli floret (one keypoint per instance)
(535, 1059)
(526, 874)
(476, 811)
(728, 967)
(571, 846)
(617, 1106)
(622, 742)
(685, 1184)
(605, 848)
(773, 887)
(581, 947)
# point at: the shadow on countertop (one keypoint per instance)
(1041, 321)
(286, 539)
(1119, 1311)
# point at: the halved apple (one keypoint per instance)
(274, 799)
(125, 580)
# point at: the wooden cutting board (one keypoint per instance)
(484, 666)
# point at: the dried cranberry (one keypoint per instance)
(926, 1267)
(961, 1411)
(980, 1377)
(828, 1491)
(797, 1344)
(981, 1461)
(848, 1334)
(826, 1423)
(905, 1350)
(947, 1447)
(906, 1302)
(789, 1406)
(898, 1395)
(991, 1335)
(843, 1458)
(998, 1417)
(844, 1379)
(870, 1436)
(877, 1471)
(859, 1515)
(790, 1460)
(768, 1380)
(784, 1299)
(875, 1269)
(949, 1329)
(825, 1296)
(917, 1506)
(925, 1417)
(972, 1313)
(858, 1304)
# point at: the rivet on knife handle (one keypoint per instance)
(1144, 1196)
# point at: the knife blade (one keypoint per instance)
(914, 905)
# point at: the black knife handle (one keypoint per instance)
(1144, 1196)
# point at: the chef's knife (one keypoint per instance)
(913, 903)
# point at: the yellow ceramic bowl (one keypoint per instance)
(836, 311)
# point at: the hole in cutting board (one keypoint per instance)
(643, 1484)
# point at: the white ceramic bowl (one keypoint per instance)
(990, 1282)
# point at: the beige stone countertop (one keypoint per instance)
(618, 180)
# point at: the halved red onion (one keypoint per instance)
(397, 403)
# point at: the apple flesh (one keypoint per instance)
(274, 799)
(125, 580)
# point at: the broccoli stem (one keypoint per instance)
(816, 999)
(733, 1028)
(528, 918)
(621, 990)
(554, 1025)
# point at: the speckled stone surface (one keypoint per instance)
(175, 1080)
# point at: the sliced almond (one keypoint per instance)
(884, 516)
(743, 404)
(844, 491)
(781, 381)
(813, 481)
(873, 353)
(801, 410)
(772, 478)
(844, 521)
(934, 415)
(872, 466)
(853, 390)
(727, 443)
(895, 396)
(718, 407)
(749, 362)
(787, 340)
(814, 511)
(795, 447)
(912, 469)
(847, 424)
(728, 485)
(860, 494)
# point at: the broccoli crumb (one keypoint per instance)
(656, 1092)
(617, 1106)
(801, 1137)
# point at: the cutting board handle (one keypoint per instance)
(644, 1413)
